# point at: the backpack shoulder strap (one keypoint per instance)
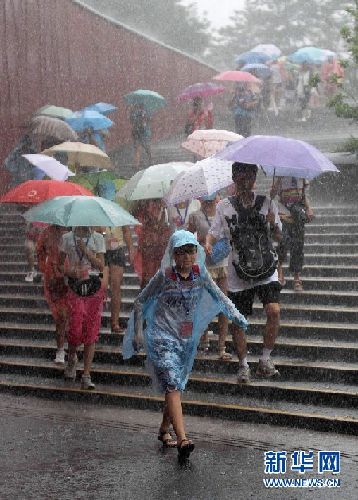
(260, 199)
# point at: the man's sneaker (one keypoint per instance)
(244, 375)
(266, 369)
(70, 370)
(86, 383)
(60, 357)
(30, 276)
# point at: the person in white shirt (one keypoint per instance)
(242, 291)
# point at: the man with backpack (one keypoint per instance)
(141, 133)
(251, 222)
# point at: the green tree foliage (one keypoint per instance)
(165, 20)
(345, 102)
(289, 24)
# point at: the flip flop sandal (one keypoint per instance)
(169, 442)
(117, 329)
(185, 449)
(225, 356)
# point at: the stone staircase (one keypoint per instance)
(316, 352)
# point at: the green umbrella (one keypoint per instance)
(54, 111)
(151, 100)
(86, 211)
(152, 182)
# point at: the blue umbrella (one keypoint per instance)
(259, 70)
(151, 100)
(310, 55)
(101, 107)
(252, 58)
(89, 119)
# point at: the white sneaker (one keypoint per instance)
(60, 357)
(70, 370)
(86, 383)
(244, 375)
(266, 369)
(30, 276)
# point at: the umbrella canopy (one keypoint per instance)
(151, 100)
(202, 179)
(153, 182)
(33, 192)
(269, 49)
(208, 142)
(88, 119)
(236, 76)
(80, 211)
(200, 90)
(260, 70)
(313, 55)
(51, 167)
(54, 111)
(279, 156)
(46, 126)
(252, 58)
(102, 107)
(85, 155)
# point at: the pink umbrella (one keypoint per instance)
(236, 76)
(200, 90)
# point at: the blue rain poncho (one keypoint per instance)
(169, 305)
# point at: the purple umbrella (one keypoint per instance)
(200, 90)
(279, 156)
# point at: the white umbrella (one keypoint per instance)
(52, 168)
(269, 49)
(152, 182)
(202, 179)
(208, 142)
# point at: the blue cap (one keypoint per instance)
(209, 197)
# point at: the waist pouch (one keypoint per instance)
(85, 288)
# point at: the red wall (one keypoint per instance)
(58, 52)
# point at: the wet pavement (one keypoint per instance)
(66, 450)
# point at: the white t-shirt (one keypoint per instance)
(94, 242)
(220, 229)
(179, 217)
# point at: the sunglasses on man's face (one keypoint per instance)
(183, 250)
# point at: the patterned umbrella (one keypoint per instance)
(252, 58)
(269, 49)
(200, 90)
(208, 142)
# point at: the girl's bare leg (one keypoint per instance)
(88, 353)
(173, 411)
(115, 279)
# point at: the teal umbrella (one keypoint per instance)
(74, 211)
(151, 100)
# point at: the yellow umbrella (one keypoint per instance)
(83, 155)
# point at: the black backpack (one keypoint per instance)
(253, 255)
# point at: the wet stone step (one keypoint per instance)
(43, 345)
(132, 372)
(232, 407)
(327, 332)
(331, 248)
(341, 227)
(128, 277)
(333, 238)
(242, 408)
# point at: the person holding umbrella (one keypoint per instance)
(141, 133)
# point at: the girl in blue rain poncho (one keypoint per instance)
(177, 305)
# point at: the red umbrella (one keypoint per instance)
(33, 192)
(236, 76)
